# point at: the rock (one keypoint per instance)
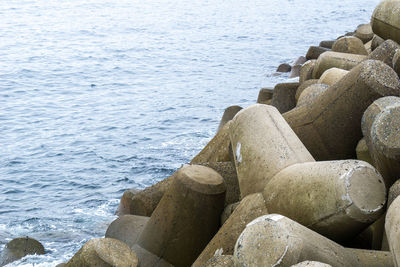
(321, 191)
(392, 229)
(187, 216)
(263, 144)
(275, 240)
(284, 96)
(339, 60)
(330, 127)
(327, 44)
(364, 33)
(217, 150)
(311, 93)
(19, 248)
(104, 252)
(303, 86)
(380, 126)
(363, 152)
(332, 75)
(349, 44)
(306, 71)
(284, 67)
(229, 113)
(251, 207)
(385, 22)
(376, 41)
(315, 51)
(385, 52)
(265, 95)
(127, 228)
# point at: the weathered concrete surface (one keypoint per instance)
(303, 86)
(315, 51)
(362, 151)
(311, 93)
(332, 76)
(311, 264)
(229, 113)
(337, 199)
(330, 127)
(284, 96)
(187, 217)
(364, 32)
(265, 95)
(221, 261)
(251, 207)
(306, 71)
(275, 240)
(385, 52)
(349, 44)
(263, 144)
(19, 248)
(392, 229)
(385, 20)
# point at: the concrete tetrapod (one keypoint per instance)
(221, 261)
(229, 113)
(187, 216)
(20, 247)
(275, 240)
(303, 86)
(311, 264)
(330, 127)
(380, 126)
(306, 70)
(332, 75)
(392, 229)
(349, 44)
(311, 93)
(385, 52)
(339, 60)
(263, 144)
(385, 20)
(337, 199)
(284, 96)
(251, 207)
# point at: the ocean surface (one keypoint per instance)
(100, 96)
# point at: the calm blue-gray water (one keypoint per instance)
(100, 96)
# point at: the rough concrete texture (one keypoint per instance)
(315, 51)
(380, 126)
(228, 212)
(332, 75)
(263, 144)
(295, 72)
(327, 43)
(229, 113)
(251, 207)
(364, 33)
(284, 67)
(147, 258)
(284, 96)
(311, 264)
(396, 62)
(300, 61)
(349, 44)
(228, 172)
(143, 202)
(265, 95)
(330, 127)
(371, 237)
(376, 41)
(275, 240)
(217, 150)
(19, 248)
(392, 229)
(385, 52)
(303, 86)
(306, 71)
(363, 152)
(187, 216)
(394, 192)
(311, 93)
(127, 228)
(104, 252)
(337, 199)
(221, 261)
(339, 60)
(385, 20)
(368, 46)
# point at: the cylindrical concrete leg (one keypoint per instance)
(263, 144)
(275, 240)
(187, 216)
(392, 229)
(362, 151)
(221, 261)
(251, 207)
(311, 264)
(349, 44)
(332, 75)
(380, 125)
(337, 199)
(229, 113)
(385, 22)
(385, 52)
(311, 93)
(330, 127)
